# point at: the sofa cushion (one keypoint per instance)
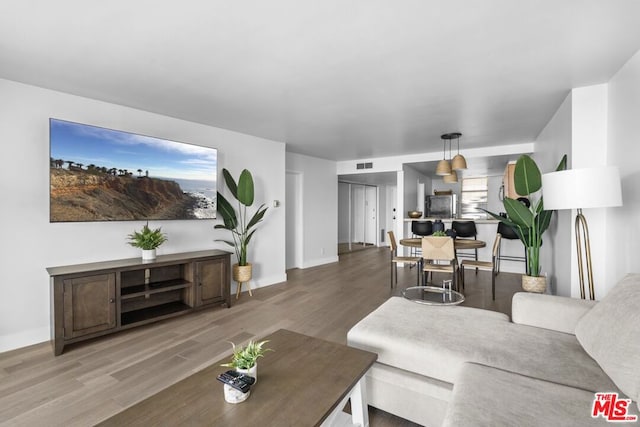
(549, 311)
(436, 342)
(610, 333)
(486, 396)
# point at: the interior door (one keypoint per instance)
(358, 213)
(371, 215)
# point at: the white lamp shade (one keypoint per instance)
(582, 188)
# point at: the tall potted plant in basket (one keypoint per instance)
(529, 222)
(240, 225)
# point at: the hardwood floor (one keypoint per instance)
(343, 248)
(93, 380)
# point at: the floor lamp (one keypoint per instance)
(582, 189)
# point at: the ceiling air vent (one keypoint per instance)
(368, 165)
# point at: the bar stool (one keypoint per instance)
(420, 228)
(465, 230)
(507, 232)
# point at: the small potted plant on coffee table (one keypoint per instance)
(245, 359)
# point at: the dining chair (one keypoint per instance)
(395, 259)
(484, 265)
(439, 256)
(507, 232)
(466, 230)
(420, 228)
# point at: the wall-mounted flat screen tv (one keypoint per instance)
(99, 174)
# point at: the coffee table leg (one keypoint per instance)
(359, 409)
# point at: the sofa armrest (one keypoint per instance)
(549, 311)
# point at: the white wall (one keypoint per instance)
(344, 212)
(589, 149)
(383, 214)
(494, 183)
(552, 143)
(293, 215)
(393, 217)
(319, 208)
(622, 249)
(30, 243)
(410, 191)
(593, 126)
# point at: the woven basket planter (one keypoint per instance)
(534, 283)
(242, 273)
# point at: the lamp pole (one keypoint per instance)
(582, 232)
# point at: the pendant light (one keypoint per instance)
(458, 162)
(453, 176)
(444, 167)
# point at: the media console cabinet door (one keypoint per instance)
(211, 277)
(89, 304)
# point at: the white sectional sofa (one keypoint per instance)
(460, 366)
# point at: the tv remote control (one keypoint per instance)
(244, 377)
(236, 380)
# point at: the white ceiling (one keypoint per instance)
(332, 78)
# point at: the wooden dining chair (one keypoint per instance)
(439, 256)
(485, 265)
(395, 259)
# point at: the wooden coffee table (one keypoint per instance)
(305, 381)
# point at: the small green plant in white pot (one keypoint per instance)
(148, 240)
(245, 359)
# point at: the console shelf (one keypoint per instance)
(90, 300)
(154, 312)
(154, 288)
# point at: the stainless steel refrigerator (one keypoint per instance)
(440, 206)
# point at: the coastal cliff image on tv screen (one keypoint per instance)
(99, 174)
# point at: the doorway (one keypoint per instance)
(293, 215)
(357, 217)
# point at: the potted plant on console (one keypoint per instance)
(147, 240)
(527, 217)
(241, 227)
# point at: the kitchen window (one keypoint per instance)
(474, 197)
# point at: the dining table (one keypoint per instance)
(458, 244)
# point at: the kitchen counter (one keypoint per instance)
(446, 220)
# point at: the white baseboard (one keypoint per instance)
(319, 261)
(260, 283)
(25, 338)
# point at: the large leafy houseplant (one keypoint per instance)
(240, 225)
(529, 222)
